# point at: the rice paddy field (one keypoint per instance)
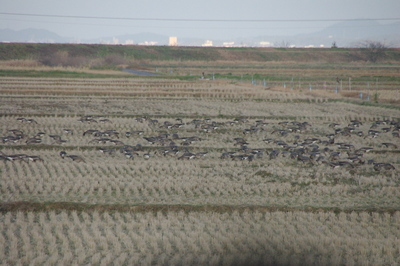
(164, 171)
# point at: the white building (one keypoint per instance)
(228, 44)
(207, 43)
(265, 44)
(173, 41)
(129, 42)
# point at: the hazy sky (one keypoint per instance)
(175, 17)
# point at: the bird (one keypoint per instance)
(187, 156)
(389, 145)
(15, 157)
(383, 166)
(129, 155)
(34, 158)
(68, 131)
(33, 140)
(76, 158)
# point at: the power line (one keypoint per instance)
(186, 27)
(196, 20)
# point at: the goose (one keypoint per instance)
(16, 132)
(11, 139)
(142, 119)
(334, 156)
(138, 147)
(31, 121)
(261, 123)
(303, 159)
(383, 166)
(175, 136)
(76, 158)
(333, 125)
(55, 137)
(364, 149)
(127, 148)
(355, 159)
(110, 133)
(245, 157)
(90, 132)
(153, 122)
(100, 141)
(281, 143)
(16, 157)
(346, 164)
(40, 134)
(87, 119)
(355, 123)
(178, 125)
(33, 140)
(389, 145)
(129, 155)
(138, 132)
(63, 154)
(117, 142)
(274, 154)
(360, 133)
(186, 143)
(60, 141)
(105, 120)
(200, 154)
(227, 155)
(109, 151)
(268, 140)
(68, 131)
(34, 158)
(187, 156)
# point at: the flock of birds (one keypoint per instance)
(312, 151)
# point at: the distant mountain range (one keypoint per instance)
(344, 34)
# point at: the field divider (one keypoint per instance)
(27, 206)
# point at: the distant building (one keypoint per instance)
(129, 42)
(265, 44)
(228, 44)
(148, 43)
(207, 43)
(173, 41)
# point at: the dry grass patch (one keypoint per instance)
(202, 238)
